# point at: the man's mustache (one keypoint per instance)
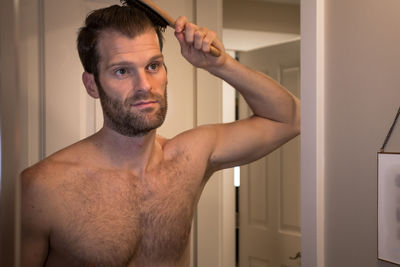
(143, 95)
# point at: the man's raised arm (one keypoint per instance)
(276, 111)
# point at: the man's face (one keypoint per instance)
(132, 82)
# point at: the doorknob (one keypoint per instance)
(297, 256)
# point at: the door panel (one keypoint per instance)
(269, 195)
(257, 190)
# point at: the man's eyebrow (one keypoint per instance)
(119, 63)
(127, 63)
(160, 56)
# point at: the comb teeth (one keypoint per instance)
(153, 16)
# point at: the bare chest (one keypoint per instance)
(114, 219)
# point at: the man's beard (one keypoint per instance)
(126, 122)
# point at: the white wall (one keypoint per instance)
(362, 95)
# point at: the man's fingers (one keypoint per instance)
(181, 39)
(199, 36)
(180, 23)
(208, 40)
(194, 38)
(190, 31)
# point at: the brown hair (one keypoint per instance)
(127, 20)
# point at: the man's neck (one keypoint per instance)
(136, 154)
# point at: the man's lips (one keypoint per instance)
(144, 103)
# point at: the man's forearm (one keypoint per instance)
(266, 97)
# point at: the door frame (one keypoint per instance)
(312, 132)
(312, 139)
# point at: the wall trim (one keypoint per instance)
(42, 79)
(209, 110)
(313, 132)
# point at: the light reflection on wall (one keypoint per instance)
(236, 176)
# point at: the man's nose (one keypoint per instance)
(143, 81)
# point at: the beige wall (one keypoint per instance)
(362, 95)
(261, 16)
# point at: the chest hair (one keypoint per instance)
(111, 218)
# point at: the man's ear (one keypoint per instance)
(90, 84)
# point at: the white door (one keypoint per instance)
(269, 194)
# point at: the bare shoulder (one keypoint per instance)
(36, 211)
(197, 143)
(35, 217)
(38, 182)
(41, 202)
(47, 171)
(39, 176)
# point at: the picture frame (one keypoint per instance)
(389, 207)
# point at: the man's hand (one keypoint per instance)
(196, 42)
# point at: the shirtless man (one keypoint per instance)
(125, 196)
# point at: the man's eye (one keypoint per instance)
(121, 72)
(154, 66)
